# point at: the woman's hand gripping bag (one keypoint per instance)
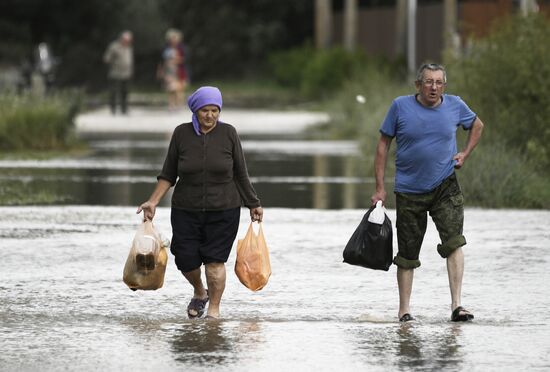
(371, 245)
(146, 262)
(252, 265)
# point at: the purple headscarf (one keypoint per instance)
(200, 98)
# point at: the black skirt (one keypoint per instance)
(202, 237)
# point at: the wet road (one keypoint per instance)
(64, 305)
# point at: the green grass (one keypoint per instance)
(22, 194)
(30, 123)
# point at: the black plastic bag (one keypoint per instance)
(371, 245)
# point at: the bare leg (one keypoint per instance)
(178, 94)
(177, 100)
(182, 91)
(171, 100)
(404, 282)
(215, 278)
(455, 270)
(194, 277)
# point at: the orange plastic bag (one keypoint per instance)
(146, 262)
(252, 265)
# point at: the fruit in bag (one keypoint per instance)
(146, 262)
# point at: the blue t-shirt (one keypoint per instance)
(426, 140)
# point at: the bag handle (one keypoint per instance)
(251, 226)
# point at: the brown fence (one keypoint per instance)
(377, 26)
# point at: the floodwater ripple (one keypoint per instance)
(64, 305)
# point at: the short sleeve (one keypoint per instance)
(389, 124)
(467, 116)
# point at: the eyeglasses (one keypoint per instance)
(429, 83)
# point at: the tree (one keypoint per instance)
(234, 37)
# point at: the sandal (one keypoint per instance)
(197, 305)
(406, 318)
(456, 316)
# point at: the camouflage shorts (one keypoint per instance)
(445, 204)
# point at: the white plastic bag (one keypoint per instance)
(378, 215)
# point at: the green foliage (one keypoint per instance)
(496, 176)
(31, 123)
(23, 193)
(288, 66)
(316, 73)
(378, 84)
(232, 38)
(329, 69)
(506, 79)
(225, 38)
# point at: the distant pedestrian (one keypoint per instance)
(424, 126)
(172, 69)
(120, 58)
(45, 64)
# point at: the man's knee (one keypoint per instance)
(404, 263)
(446, 248)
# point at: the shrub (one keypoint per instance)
(31, 123)
(316, 73)
(506, 80)
(288, 66)
(378, 84)
(329, 69)
(496, 176)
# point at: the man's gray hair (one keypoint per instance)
(431, 67)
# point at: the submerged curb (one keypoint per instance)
(142, 120)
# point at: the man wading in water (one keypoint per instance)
(424, 126)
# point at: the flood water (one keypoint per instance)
(121, 169)
(63, 305)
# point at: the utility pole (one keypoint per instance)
(451, 39)
(350, 24)
(323, 23)
(411, 36)
(400, 28)
(528, 6)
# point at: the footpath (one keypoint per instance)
(148, 120)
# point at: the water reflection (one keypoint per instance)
(203, 343)
(409, 346)
(435, 350)
(320, 190)
(121, 170)
(215, 342)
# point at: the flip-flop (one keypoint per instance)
(406, 318)
(197, 304)
(456, 316)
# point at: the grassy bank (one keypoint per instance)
(35, 128)
(29, 123)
